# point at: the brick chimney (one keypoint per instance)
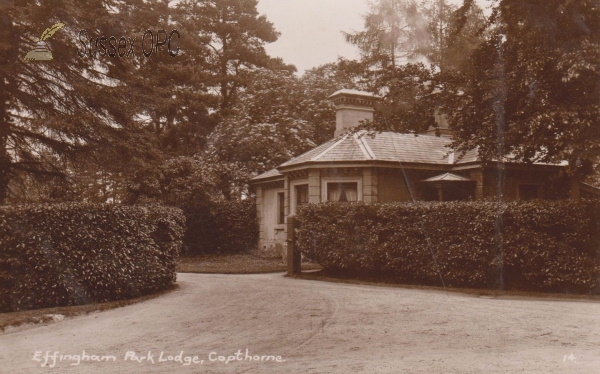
(352, 106)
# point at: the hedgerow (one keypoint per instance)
(538, 245)
(214, 225)
(70, 254)
(221, 227)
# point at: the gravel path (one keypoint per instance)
(316, 327)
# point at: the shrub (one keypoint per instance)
(539, 245)
(70, 254)
(213, 225)
(223, 227)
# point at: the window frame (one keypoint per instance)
(335, 180)
(280, 208)
(293, 197)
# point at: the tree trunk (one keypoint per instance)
(5, 55)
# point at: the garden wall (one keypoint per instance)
(70, 254)
(540, 245)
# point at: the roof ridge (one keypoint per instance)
(329, 148)
(385, 147)
(305, 153)
(364, 147)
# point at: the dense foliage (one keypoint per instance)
(65, 121)
(68, 109)
(539, 245)
(191, 131)
(222, 227)
(531, 89)
(70, 254)
(214, 224)
(276, 117)
(521, 82)
(410, 52)
(234, 34)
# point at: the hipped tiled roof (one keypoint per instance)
(384, 146)
(268, 174)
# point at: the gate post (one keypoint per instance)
(293, 255)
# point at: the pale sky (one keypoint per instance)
(311, 30)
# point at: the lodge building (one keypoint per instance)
(388, 166)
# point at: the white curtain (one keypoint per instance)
(333, 192)
(351, 192)
(337, 192)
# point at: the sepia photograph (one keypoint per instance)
(299, 186)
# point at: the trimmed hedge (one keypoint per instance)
(539, 245)
(71, 254)
(222, 227)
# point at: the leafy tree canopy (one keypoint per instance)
(277, 116)
(265, 128)
(407, 49)
(531, 90)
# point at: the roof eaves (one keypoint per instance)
(274, 178)
(442, 167)
(267, 175)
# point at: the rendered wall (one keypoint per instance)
(270, 232)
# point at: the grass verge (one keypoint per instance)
(48, 315)
(244, 263)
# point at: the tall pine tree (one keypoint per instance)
(72, 107)
(235, 34)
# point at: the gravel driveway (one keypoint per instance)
(255, 321)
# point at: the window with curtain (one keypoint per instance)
(342, 192)
(301, 194)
